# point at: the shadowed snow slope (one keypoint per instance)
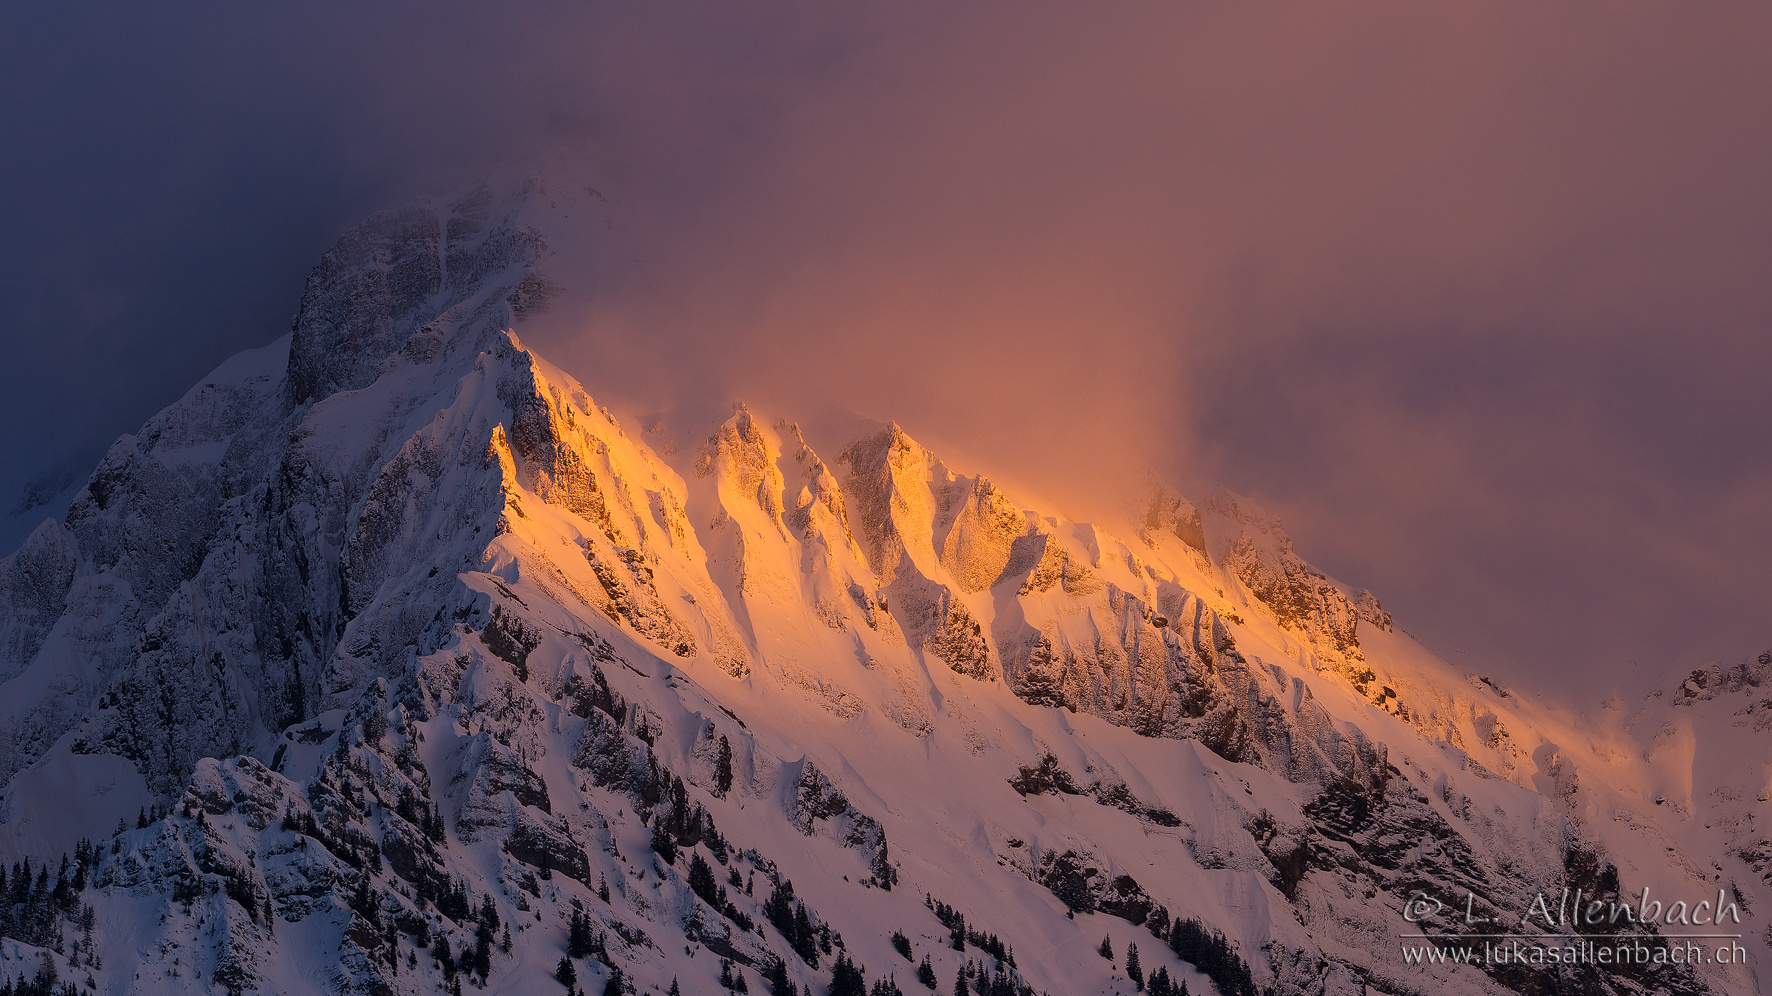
(387, 659)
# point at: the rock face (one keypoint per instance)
(35, 586)
(387, 657)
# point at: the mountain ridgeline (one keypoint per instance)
(389, 661)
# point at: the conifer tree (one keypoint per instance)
(779, 983)
(805, 937)
(701, 881)
(846, 978)
(664, 843)
(443, 955)
(723, 767)
(581, 938)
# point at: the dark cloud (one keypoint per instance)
(1473, 295)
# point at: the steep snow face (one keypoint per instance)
(399, 659)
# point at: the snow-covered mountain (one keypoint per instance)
(387, 660)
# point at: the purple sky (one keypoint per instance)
(1475, 296)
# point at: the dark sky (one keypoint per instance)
(1475, 296)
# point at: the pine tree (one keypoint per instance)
(901, 944)
(674, 991)
(926, 973)
(960, 983)
(1160, 984)
(779, 908)
(483, 951)
(1134, 971)
(581, 940)
(46, 975)
(1213, 954)
(663, 843)
(805, 937)
(603, 887)
(701, 881)
(617, 984)
(444, 957)
(567, 974)
(777, 973)
(723, 767)
(846, 978)
(1107, 948)
(362, 903)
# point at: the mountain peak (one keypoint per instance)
(388, 637)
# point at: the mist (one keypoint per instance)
(1473, 296)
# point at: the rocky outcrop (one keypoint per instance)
(1168, 512)
(981, 537)
(394, 275)
(817, 805)
(34, 586)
